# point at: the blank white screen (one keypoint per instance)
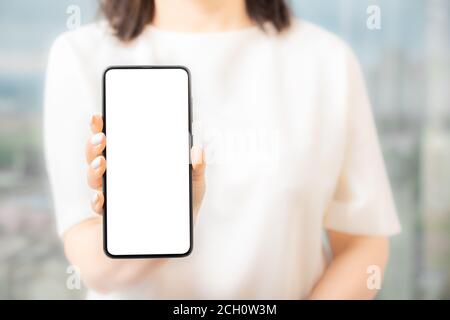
(147, 130)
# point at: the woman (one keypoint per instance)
(270, 81)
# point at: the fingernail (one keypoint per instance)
(94, 198)
(96, 163)
(92, 119)
(97, 139)
(196, 155)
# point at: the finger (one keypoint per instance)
(198, 163)
(95, 146)
(97, 202)
(95, 172)
(96, 123)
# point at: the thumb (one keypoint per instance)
(198, 163)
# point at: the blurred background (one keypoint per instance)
(406, 64)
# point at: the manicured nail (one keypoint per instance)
(196, 155)
(97, 139)
(96, 163)
(94, 198)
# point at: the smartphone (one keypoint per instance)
(148, 181)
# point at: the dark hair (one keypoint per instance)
(128, 18)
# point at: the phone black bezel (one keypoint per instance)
(191, 237)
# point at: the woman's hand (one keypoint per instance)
(83, 243)
(97, 167)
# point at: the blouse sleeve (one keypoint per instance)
(362, 202)
(68, 106)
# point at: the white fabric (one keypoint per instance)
(290, 143)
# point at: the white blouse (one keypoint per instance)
(291, 150)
